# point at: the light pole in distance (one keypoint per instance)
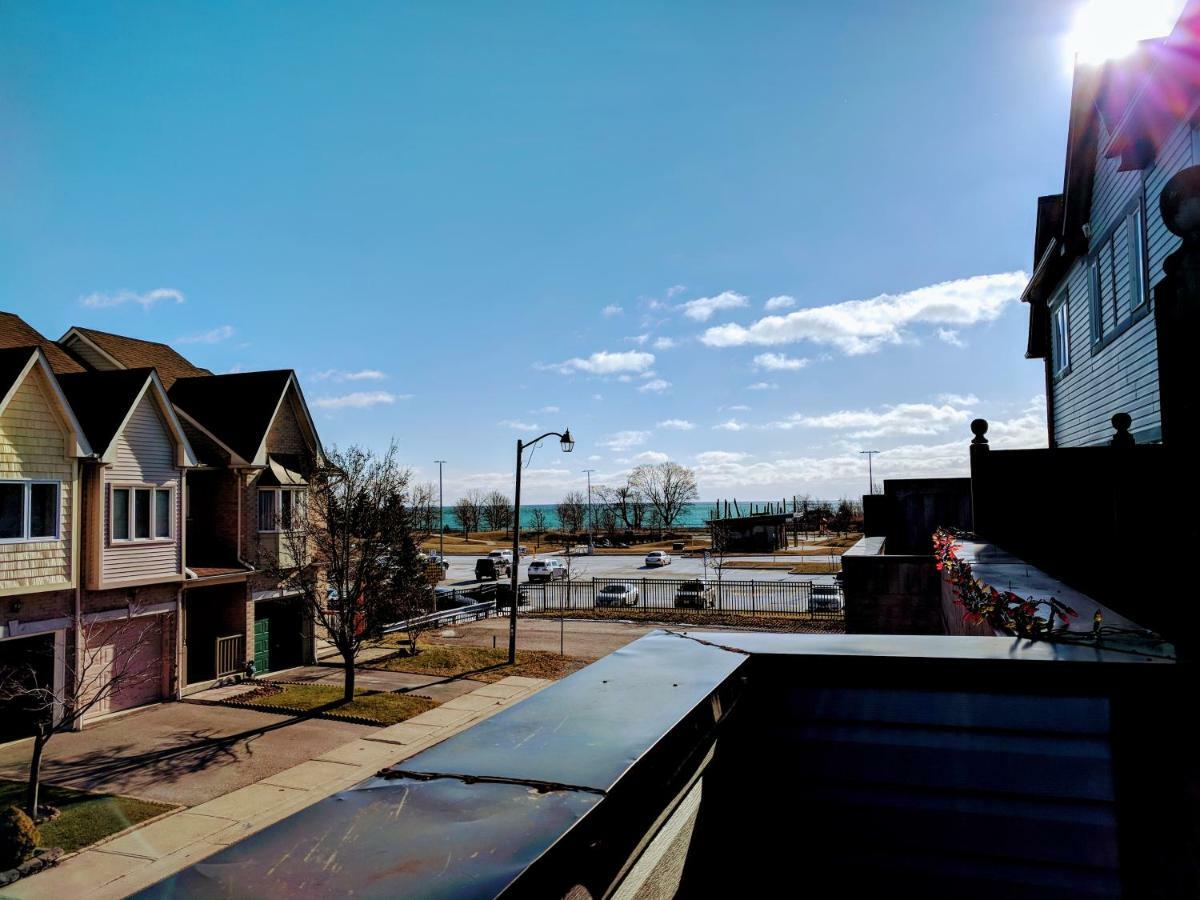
(870, 455)
(441, 515)
(591, 518)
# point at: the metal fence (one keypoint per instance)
(761, 598)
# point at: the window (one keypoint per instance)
(142, 513)
(1117, 275)
(1060, 336)
(279, 508)
(29, 510)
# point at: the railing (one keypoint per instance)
(231, 654)
(761, 598)
(446, 617)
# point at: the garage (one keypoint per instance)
(278, 635)
(28, 662)
(131, 651)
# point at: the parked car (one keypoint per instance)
(694, 595)
(492, 568)
(524, 551)
(434, 557)
(658, 558)
(506, 555)
(825, 598)
(547, 570)
(618, 595)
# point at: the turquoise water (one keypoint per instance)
(694, 515)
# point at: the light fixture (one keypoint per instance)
(567, 442)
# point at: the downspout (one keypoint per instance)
(238, 473)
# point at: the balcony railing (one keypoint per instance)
(231, 654)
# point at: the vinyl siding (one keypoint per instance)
(1121, 376)
(145, 455)
(89, 355)
(33, 446)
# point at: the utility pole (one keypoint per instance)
(870, 455)
(591, 518)
(441, 516)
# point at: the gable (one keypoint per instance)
(33, 440)
(90, 355)
(288, 434)
(145, 448)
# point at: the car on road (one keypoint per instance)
(492, 568)
(694, 595)
(547, 570)
(618, 595)
(434, 557)
(501, 554)
(658, 558)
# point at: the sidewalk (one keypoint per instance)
(135, 860)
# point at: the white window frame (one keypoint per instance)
(278, 506)
(27, 510)
(1060, 335)
(130, 486)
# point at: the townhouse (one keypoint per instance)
(137, 486)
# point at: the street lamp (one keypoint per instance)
(567, 443)
(441, 516)
(591, 518)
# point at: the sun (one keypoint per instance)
(1109, 29)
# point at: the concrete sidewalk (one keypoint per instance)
(130, 862)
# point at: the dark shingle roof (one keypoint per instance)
(12, 363)
(134, 354)
(101, 400)
(237, 409)
(16, 332)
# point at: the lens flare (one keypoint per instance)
(1109, 29)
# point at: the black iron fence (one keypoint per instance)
(761, 598)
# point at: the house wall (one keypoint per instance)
(1122, 375)
(88, 354)
(145, 455)
(33, 445)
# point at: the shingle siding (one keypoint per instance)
(1122, 375)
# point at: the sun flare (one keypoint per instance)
(1109, 29)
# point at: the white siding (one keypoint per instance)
(145, 455)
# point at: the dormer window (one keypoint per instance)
(29, 511)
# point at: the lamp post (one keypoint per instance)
(568, 444)
(870, 455)
(441, 516)
(591, 518)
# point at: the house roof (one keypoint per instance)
(235, 409)
(16, 332)
(13, 361)
(134, 353)
(102, 401)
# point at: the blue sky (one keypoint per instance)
(464, 223)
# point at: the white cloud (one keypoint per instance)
(359, 400)
(656, 386)
(737, 407)
(714, 457)
(639, 339)
(863, 326)
(677, 424)
(546, 409)
(212, 336)
(675, 290)
(605, 362)
(595, 457)
(518, 425)
(146, 300)
(703, 308)
(960, 399)
(763, 386)
(339, 375)
(731, 425)
(783, 301)
(950, 336)
(665, 343)
(901, 419)
(780, 362)
(651, 456)
(625, 440)
(612, 310)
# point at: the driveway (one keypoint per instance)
(183, 753)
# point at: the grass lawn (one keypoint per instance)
(381, 707)
(86, 817)
(480, 663)
(696, 619)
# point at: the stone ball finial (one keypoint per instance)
(1121, 423)
(1180, 203)
(979, 428)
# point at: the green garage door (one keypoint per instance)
(262, 645)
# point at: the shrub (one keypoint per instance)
(19, 837)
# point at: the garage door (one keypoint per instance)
(131, 651)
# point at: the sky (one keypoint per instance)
(754, 239)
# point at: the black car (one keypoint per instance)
(492, 568)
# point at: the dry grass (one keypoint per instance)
(380, 707)
(696, 619)
(85, 817)
(479, 663)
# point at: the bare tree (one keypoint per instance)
(538, 524)
(93, 675)
(469, 510)
(668, 487)
(497, 511)
(626, 503)
(572, 511)
(351, 556)
(424, 508)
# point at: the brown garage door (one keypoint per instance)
(131, 649)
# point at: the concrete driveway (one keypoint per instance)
(183, 753)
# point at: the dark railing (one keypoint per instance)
(231, 654)
(761, 598)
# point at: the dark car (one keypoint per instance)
(693, 595)
(492, 568)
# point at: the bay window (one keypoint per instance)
(279, 508)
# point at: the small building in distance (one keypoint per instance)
(755, 533)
